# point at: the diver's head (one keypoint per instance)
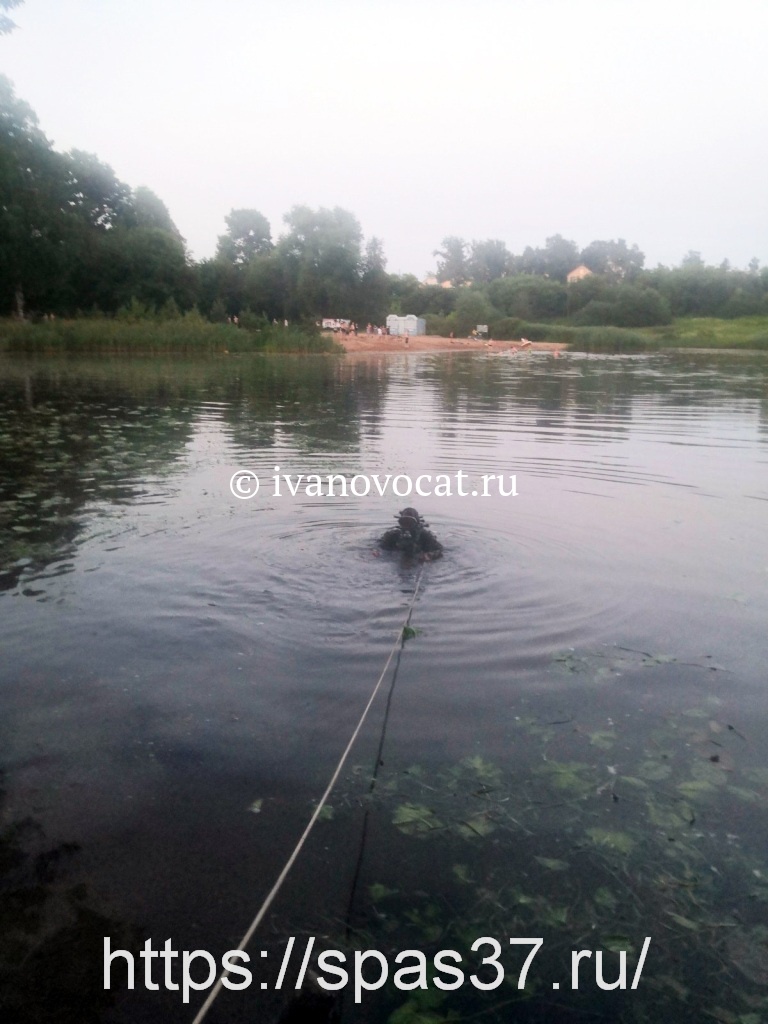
(409, 519)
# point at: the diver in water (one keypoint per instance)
(411, 537)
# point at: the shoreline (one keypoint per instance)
(433, 343)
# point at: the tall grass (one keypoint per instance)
(746, 332)
(185, 334)
(579, 339)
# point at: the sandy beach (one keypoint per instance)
(423, 343)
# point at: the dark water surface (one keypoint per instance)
(576, 742)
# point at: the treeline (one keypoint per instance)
(492, 285)
(72, 236)
(76, 241)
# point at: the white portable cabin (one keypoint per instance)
(402, 325)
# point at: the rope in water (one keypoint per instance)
(371, 788)
(203, 1011)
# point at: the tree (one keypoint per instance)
(32, 205)
(263, 288)
(149, 211)
(217, 282)
(6, 25)
(374, 283)
(142, 263)
(489, 261)
(472, 309)
(374, 260)
(692, 259)
(72, 235)
(529, 297)
(626, 306)
(248, 235)
(558, 257)
(613, 259)
(95, 192)
(452, 265)
(588, 289)
(407, 295)
(320, 255)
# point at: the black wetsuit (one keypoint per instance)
(412, 542)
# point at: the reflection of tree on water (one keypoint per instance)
(320, 403)
(68, 442)
(581, 388)
(51, 937)
(75, 435)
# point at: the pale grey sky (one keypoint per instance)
(511, 119)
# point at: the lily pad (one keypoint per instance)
(478, 826)
(416, 819)
(380, 892)
(748, 950)
(621, 842)
(483, 769)
(603, 739)
(553, 864)
(604, 898)
(654, 771)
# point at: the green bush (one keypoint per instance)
(525, 295)
(509, 328)
(596, 313)
(440, 326)
(625, 306)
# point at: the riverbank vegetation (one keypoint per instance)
(145, 332)
(747, 332)
(94, 264)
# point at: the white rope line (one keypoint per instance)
(323, 799)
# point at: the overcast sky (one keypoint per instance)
(510, 119)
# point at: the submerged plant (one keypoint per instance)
(592, 855)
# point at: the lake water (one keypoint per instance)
(574, 747)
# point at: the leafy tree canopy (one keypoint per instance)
(374, 260)
(248, 235)
(692, 259)
(528, 296)
(558, 257)
(6, 25)
(321, 259)
(489, 260)
(614, 259)
(317, 236)
(452, 262)
(17, 119)
(32, 198)
(149, 211)
(95, 191)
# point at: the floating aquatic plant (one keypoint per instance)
(559, 841)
